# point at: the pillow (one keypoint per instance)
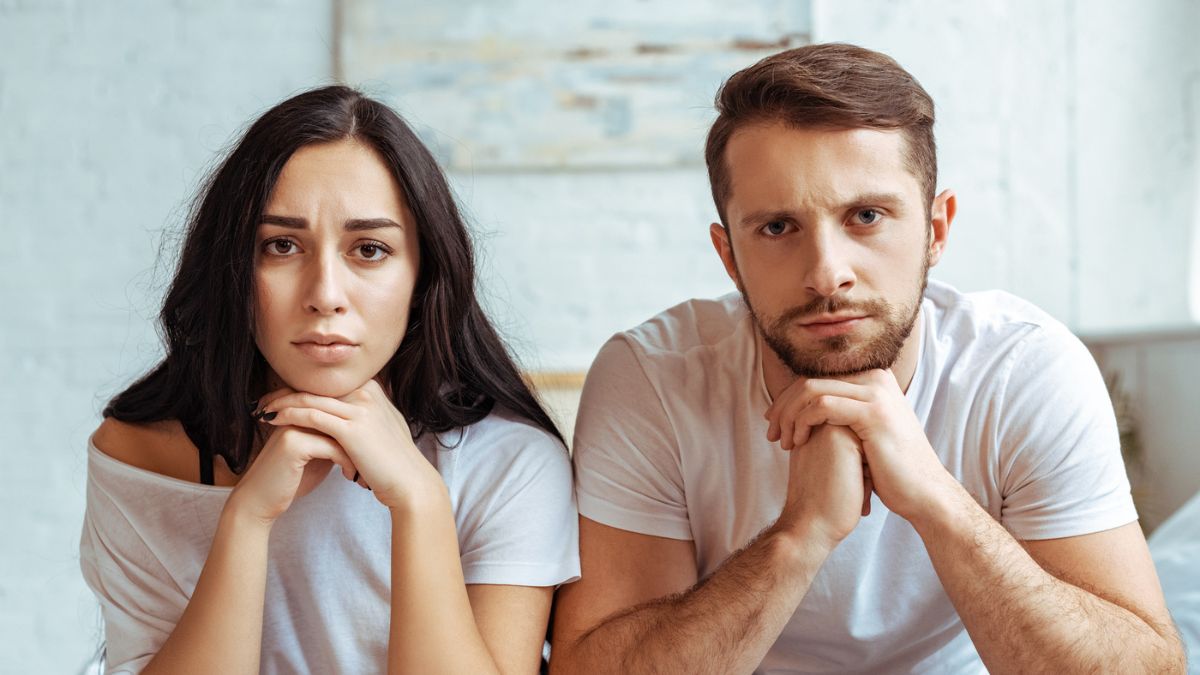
(1175, 547)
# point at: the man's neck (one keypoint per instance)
(778, 376)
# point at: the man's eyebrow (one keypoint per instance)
(353, 225)
(890, 199)
(767, 216)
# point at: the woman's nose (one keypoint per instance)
(326, 293)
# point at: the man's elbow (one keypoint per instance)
(1178, 655)
(1169, 656)
(561, 658)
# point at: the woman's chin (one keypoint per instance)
(331, 385)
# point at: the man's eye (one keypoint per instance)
(776, 228)
(867, 216)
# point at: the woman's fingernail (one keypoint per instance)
(270, 416)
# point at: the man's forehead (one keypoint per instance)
(778, 165)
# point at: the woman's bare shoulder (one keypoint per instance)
(159, 447)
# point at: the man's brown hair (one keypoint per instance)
(837, 86)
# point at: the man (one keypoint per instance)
(843, 468)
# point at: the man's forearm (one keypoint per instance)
(724, 624)
(1022, 618)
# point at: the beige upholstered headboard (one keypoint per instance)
(559, 392)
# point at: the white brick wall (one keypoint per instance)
(109, 112)
(571, 258)
(1138, 182)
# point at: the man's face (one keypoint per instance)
(829, 242)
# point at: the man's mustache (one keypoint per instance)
(832, 305)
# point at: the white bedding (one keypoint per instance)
(1175, 546)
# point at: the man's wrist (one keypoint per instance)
(796, 543)
(945, 508)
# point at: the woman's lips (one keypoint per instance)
(330, 353)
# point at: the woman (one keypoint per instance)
(324, 314)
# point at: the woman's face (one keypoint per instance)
(335, 268)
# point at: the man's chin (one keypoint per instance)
(826, 364)
(828, 371)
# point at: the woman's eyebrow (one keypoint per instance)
(370, 224)
(285, 221)
(353, 225)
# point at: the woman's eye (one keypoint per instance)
(867, 216)
(776, 228)
(279, 246)
(372, 252)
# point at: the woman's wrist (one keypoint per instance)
(430, 499)
(237, 516)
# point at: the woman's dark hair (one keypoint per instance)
(451, 368)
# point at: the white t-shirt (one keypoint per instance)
(671, 441)
(328, 603)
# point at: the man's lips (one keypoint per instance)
(832, 318)
(829, 326)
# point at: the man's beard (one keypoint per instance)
(841, 355)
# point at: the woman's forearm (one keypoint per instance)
(433, 627)
(221, 628)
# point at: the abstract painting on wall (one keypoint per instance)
(539, 85)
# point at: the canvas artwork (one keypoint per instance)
(535, 85)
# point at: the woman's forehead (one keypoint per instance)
(347, 177)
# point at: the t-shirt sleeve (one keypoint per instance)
(139, 602)
(1061, 468)
(627, 470)
(516, 515)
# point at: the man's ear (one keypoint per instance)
(941, 215)
(721, 242)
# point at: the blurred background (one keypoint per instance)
(573, 135)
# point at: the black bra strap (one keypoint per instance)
(206, 455)
(206, 467)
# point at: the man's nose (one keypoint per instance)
(830, 271)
